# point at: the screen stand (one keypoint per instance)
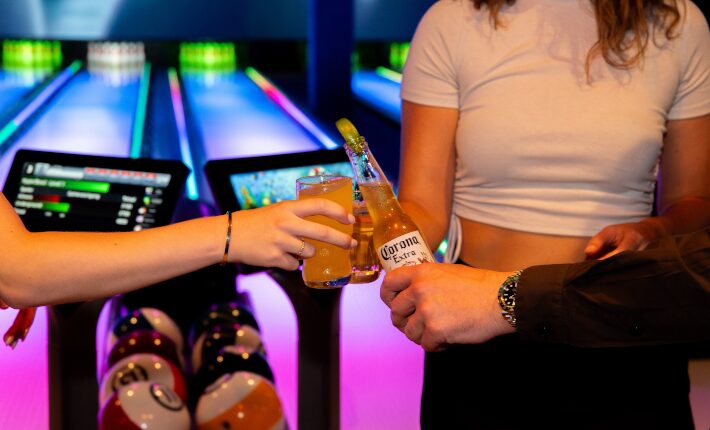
(318, 316)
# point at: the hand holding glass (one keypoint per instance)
(330, 266)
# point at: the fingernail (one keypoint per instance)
(351, 218)
(353, 243)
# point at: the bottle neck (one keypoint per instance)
(365, 166)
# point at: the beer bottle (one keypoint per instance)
(396, 237)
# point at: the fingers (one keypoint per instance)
(394, 282)
(596, 244)
(315, 231)
(287, 262)
(628, 244)
(403, 306)
(300, 248)
(414, 329)
(310, 207)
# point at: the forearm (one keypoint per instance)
(684, 216)
(660, 295)
(432, 225)
(34, 268)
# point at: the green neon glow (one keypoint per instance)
(35, 54)
(255, 76)
(7, 131)
(443, 247)
(207, 56)
(389, 74)
(141, 109)
(398, 55)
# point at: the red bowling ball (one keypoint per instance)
(142, 367)
(145, 341)
(144, 406)
(146, 319)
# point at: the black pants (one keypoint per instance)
(508, 384)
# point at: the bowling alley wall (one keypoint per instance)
(188, 19)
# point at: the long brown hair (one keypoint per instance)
(615, 18)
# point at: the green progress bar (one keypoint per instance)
(56, 207)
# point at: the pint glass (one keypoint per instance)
(330, 266)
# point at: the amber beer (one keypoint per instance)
(397, 239)
(330, 266)
(366, 265)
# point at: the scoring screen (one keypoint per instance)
(75, 198)
(262, 188)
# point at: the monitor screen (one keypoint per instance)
(247, 183)
(257, 189)
(67, 192)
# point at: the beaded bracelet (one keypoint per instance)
(228, 240)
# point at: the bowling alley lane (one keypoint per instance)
(14, 86)
(236, 118)
(379, 90)
(92, 114)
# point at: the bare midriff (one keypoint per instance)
(496, 248)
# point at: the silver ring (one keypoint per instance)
(303, 247)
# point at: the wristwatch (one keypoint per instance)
(506, 297)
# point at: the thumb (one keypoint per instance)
(595, 244)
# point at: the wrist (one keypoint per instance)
(219, 229)
(660, 225)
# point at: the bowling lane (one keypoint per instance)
(379, 90)
(237, 119)
(91, 115)
(13, 87)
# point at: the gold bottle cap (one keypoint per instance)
(351, 135)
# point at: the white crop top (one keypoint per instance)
(539, 149)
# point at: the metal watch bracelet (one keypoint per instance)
(506, 297)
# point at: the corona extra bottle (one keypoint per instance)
(397, 239)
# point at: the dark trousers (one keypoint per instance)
(508, 384)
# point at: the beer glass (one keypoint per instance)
(330, 266)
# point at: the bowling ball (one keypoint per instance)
(148, 341)
(142, 367)
(222, 313)
(240, 400)
(144, 406)
(211, 342)
(229, 360)
(146, 319)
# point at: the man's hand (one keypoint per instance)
(616, 238)
(435, 305)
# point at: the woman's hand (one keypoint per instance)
(435, 305)
(613, 239)
(272, 236)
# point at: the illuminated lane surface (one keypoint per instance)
(14, 86)
(237, 119)
(378, 92)
(90, 116)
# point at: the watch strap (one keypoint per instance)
(506, 297)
